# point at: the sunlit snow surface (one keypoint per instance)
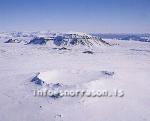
(130, 62)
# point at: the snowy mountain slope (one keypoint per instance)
(71, 39)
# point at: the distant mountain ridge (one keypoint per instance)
(69, 39)
(134, 37)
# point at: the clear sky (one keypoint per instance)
(104, 16)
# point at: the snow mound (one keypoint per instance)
(59, 80)
(69, 77)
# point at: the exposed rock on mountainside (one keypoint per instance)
(13, 41)
(40, 41)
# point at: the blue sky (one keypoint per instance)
(104, 16)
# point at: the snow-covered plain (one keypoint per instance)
(129, 60)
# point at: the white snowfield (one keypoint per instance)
(125, 66)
